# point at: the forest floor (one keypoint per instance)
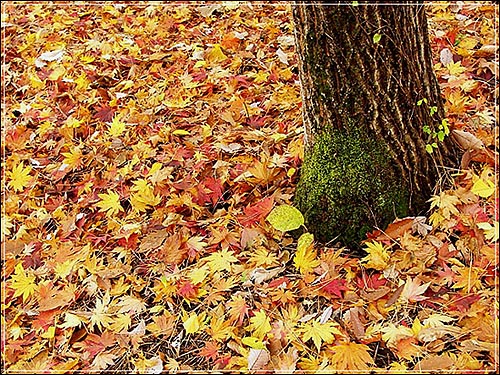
(143, 148)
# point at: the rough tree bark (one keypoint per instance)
(363, 70)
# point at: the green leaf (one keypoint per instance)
(423, 100)
(285, 218)
(355, 3)
(376, 38)
(445, 126)
(426, 129)
(441, 136)
(304, 241)
(428, 148)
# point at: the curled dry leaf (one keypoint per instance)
(45, 57)
(373, 295)
(326, 315)
(155, 366)
(466, 140)
(282, 56)
(445, 56)
(356, 324)
(433, 362)
(420, 226)
(257, 359)
(486, 51)
(259, 275)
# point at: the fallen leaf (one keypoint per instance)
(257, 359)
(351, 357)
(466, 140)
(413, 290)
(285, 218)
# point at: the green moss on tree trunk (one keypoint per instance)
(348, 186)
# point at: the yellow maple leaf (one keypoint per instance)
(100, 316)
(392, 333)
(446, 202)
(262, 257)
(57, 73)
(155, 168)
(197, 275)
(456, 68)
(457, 102)
(64, 269)
(117, 127)
(319, 332)
(36, 82)
(377, 256)
(468, 277)
(144, 199)
(19, 177)
(221, 260)
(22, 283)
(87, 59)
(220, 329)
(120, 323)
(72, 122)
(144, 196)
(490, 231)
(259, 324)
(192, 323)
(73, 158)
(50, 333)
(253, 342)
(110, 203)
(260, 76)
(71, 320)
(82, 83)
(351, 356)
(305, 257)
(216, 55)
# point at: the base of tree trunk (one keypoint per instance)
(348, 186)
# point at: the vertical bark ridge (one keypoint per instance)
(349, 79)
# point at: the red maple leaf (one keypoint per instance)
(188, 290)
(210, 350)
(213, 189)
(335, 287)
(370, 282)
(447, 276)
(45, 319)
(280, 281)
(463, 303)
(105, 113)
(93, 344)
(254, 213)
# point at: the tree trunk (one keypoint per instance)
(371, 107)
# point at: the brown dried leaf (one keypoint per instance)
(466, 140)
(486, 51)
(374, 295)
(434, 362)
(258, 359)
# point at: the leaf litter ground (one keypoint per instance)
(144, 146)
